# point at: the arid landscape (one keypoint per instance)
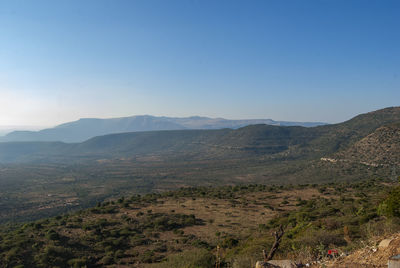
(199, 134)
(164, 207)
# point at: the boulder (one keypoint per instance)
(385, 243)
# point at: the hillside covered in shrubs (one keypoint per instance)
(184, 228)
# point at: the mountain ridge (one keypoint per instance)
(253, 140)
(86, 128)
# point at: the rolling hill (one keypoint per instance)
(46, 178)
(254, 140)
(381, 147)
(86, 128)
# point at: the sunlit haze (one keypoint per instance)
(286, 60)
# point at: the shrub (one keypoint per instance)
(107, 260)
(52, 235)
(189, 259)
(313, 238)
(77, 263)
(229, 242)
(53, 256)
(391, 206)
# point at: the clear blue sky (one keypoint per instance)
(297, 60)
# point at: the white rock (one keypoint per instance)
(385, 243)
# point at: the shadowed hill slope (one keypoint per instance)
(382, 147)
(254, 140)
(332, 138)
(86, 128)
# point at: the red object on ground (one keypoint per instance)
(333, 252)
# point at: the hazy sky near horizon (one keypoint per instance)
(325, 60)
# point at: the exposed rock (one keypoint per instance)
(369, 256)
(276, 264)
(385, 243)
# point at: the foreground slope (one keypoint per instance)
(184, 228)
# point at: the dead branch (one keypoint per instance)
(278, 237)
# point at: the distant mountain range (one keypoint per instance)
(86, 128)
(8, 129)
(277, 142)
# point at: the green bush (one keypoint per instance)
(107, 260)
(390, 207)
(52, 235)
(229, 242)
(189, 259)
(77, 263)
(53, 256)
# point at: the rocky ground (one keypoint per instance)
(370, 256)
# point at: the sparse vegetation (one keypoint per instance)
(143, 229)
(65, 177)
(215, 200)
